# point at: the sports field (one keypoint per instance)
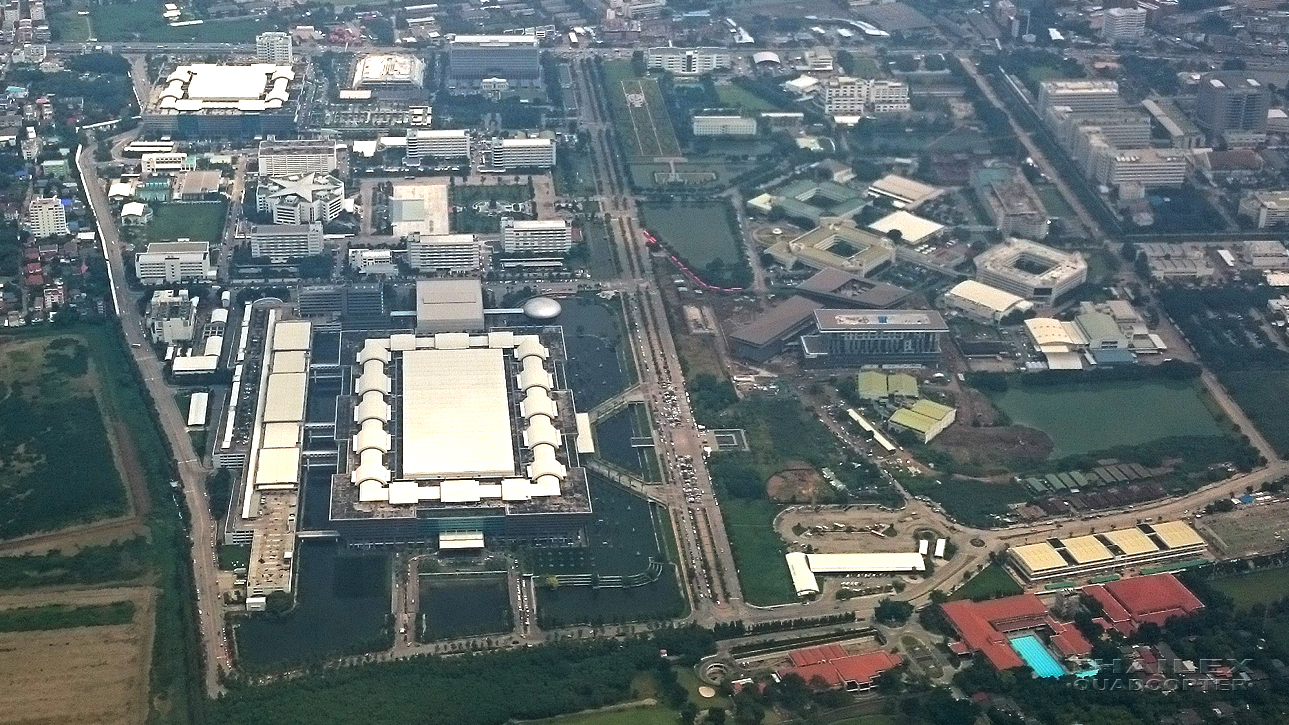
(200, 222)
(640, 114)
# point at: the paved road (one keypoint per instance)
(192, 473)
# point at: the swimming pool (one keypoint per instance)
(1031, 649)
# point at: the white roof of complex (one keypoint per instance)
(289, 361)
(912, 228)
(197, 405)
(277, 466)
(291, 335)
(284, 400)
(537, 402)
(803, 580)
(456, 416)
(1000, 301)
(372, 406)
(372, 435)
(903, 190)
(280, 435)
(1048, 331)
(843, 563)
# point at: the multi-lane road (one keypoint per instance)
(192, 473)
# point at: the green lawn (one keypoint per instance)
(200, 222)
(737, 97)
(758, 551)
(234, 556)
(1256, 587)
(993, 581)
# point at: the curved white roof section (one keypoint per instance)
(373, 381)
(533, 375)
(545, 463)
(372, 406)
(803, 579)
(371, 467)
(537, 402)
(530, 345)
(373, 350)
(372, 436)
(541, 431)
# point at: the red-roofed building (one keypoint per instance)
(984, 627)
(831, 664)
(1130, 603)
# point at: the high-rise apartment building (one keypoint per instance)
(1231, 100)
(47, 217)
(1123, 24)
(1080, 95)
(274, 47)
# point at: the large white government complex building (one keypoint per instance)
(446, 432)
(1031, 270)
(216, 100)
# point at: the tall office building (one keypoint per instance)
(443, 253)
(474, 58)
(1123, 24)
(297, 156)
(438, 143)
(282, 242)
(689, 61)
(524, 153)
(544, 236)
(847, 96)
(47, 217)
(1080, 95)
(274, 47)
(173, 262)
(1231, 100)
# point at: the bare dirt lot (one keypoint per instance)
(82, 675)
(858, 539)
(1248, 530)
(996, 447)
(799, 482)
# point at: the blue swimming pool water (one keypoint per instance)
(1031, 649)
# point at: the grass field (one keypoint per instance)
(1256, 587)
(758, 551)
(992, 581)
(736, 97)
(200, 222)
(639, 113)
(142, 21)
(50, 399)
(1085, 418)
